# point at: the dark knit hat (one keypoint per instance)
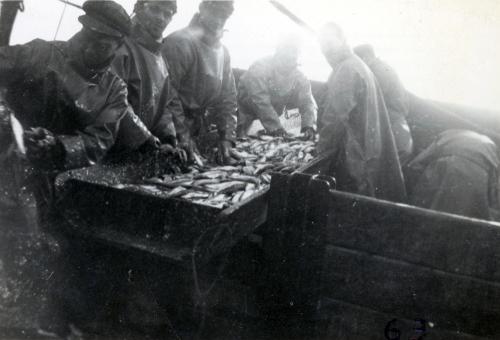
(225, 7)
(106, 17)
(171, 4)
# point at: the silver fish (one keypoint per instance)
(196, 195)
(244, 178)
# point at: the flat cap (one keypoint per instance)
(106, 17)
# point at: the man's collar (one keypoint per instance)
(143, 38)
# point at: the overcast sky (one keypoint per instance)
(447, 50)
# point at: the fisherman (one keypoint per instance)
(459, 174)
(140, 63)
(272, 86)
(201, 73)
(71, 105)
(64, 93)
(396, 100)
(356, 128)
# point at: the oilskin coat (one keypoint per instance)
(398, 106)
(265, 94)
(357, 132)
(202, 75)
(47, 89)
(140, 63)
(459, 175)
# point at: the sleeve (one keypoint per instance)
(307, 105)
(226, 104)
(341, 98)
(15, 61)
(92, 143)
(259, 98)
(178, 57)
(133, 132)
(165, 128)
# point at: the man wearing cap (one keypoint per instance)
(201, 72)
(140, 63)
(65, 93)
(395, 97)
(273, 85)
(356, 128)
(68, 101)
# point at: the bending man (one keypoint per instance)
(273, 85)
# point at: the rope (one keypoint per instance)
(60, 21)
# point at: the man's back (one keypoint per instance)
(396, 100)
(356, 128)
(458, 174)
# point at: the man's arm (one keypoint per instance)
(17, 60)
(133, 132)
(179, 58)
(91, 144)
(226, 104)
(307, 105)
(259, 98)
(172, 107)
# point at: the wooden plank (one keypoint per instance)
(442, 241)
(454, 302)
(344, 321)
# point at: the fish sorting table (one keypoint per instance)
(207, 213)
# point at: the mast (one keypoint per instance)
(8, 12)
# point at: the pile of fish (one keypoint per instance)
(223, 186)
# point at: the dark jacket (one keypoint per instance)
(458, 174)
(140, 63)
(202, 75)
(264, 94)
(357, 131)
(47, 89)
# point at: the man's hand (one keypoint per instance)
(278, 133)
(43, 149)
(169, 140)
(225, 153)
(168, 150)
(309, 133)
(151, 144)
(191, 150)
